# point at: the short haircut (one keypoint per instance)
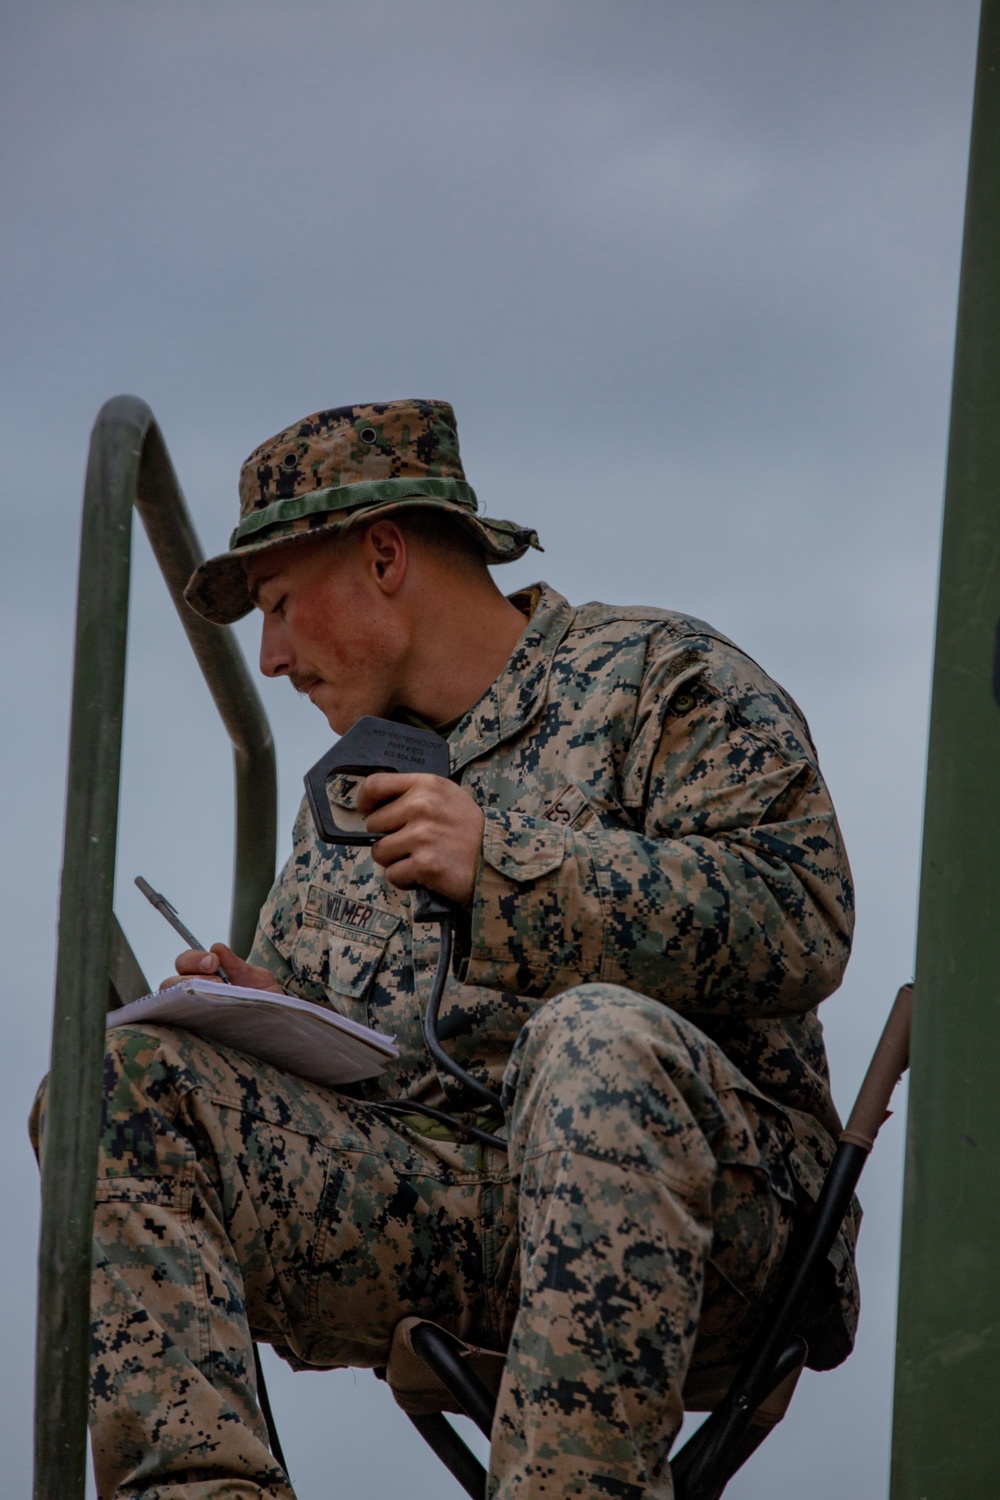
(444, 533)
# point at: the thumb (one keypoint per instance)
(379, 787)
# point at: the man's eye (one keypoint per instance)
(278, 607)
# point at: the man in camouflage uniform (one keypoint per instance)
(655, 899)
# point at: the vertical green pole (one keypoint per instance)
(946, 1427)
(69, 1153)
(128, 465)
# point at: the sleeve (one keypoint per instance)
(730, 894)
(266, 956)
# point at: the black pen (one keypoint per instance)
(165, 909)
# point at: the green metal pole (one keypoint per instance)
(946, 1426)
(168, 525)
(128, 465)
(69, 1154)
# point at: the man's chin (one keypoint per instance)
(342, 719)
(333, 713)
(340, 715)
(337, 719)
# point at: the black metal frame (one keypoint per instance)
(730, 1434)
(726, 1439)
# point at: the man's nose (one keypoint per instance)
(275, 649)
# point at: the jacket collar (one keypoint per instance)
(518, 693)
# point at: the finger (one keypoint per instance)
(195, 961)
(391, 816)
(404, 874)
(236, 969)
(421, 866)
(252, 976)
(402, 844)
(379, 787)
(424, 801)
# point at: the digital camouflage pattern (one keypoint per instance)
(662, 901)
(654, 1205)
(339, 465)
(655, 818)
(235, 1201)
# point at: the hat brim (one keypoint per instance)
(217, 590)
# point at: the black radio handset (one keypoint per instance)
(373, 745)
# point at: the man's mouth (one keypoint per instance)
(306, 685)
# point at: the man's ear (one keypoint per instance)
(385, 555)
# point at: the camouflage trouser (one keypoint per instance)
(235, 1201)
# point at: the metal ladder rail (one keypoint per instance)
(128, 465)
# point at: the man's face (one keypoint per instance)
(328, 627)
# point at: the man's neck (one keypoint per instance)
(466, 632)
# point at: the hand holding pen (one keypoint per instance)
(205, 963)
(165, 909)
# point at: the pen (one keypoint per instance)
(165, 909)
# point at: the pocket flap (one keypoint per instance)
(354, 957)
(342, 941)
(522, 848)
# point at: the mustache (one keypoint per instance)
(302, 682)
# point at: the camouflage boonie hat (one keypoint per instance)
(337, 467)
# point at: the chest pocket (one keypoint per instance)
(342, 941)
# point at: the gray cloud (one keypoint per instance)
(688, 273)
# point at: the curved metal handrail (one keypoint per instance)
(128, 465)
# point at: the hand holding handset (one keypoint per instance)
(373, 745)
(369, 746)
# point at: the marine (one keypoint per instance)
(654, 899)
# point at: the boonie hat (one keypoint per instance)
(339, 467)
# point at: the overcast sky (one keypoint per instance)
(687, 272)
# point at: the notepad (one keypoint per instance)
(290, 1033)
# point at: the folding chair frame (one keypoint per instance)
(730, 1434)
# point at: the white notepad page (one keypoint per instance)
(290, 1033)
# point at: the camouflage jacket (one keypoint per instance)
(655, 818)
